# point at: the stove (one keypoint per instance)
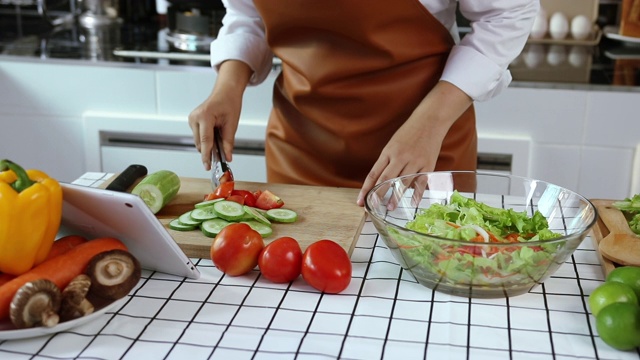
(180, 36)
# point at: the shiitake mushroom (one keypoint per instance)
(36, 303)
(113, 274)
(74, 302)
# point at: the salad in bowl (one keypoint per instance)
(479, 234)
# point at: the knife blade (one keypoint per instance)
(127, 178)
(220, 169)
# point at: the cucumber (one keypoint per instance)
(157, 189)
(282, 215)
(254, 214)
(207, 203)
(211, 228)
(228, 210)
(187, 220)
(203, 213)
(262, 229)
(175, 224)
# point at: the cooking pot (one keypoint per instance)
(98, 12)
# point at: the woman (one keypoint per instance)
(369, 89)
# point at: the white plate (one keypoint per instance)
(612, 32)
(41, 331)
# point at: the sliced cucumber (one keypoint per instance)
(282, 215)
(157, 189)
(187, 220)
(207, 203)
(262, 229)
(203, 213)
(256, 215)
(211, 228)
(228, 210)
(177, 225)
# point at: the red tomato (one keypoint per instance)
(268, 200)
(222, 191)
(249, 198)
(256, 194)
(226, 177)
(281, 260)
(326, 266)
(236, 198)
(235, 250)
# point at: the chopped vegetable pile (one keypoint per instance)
(631, 209)
(462, 263)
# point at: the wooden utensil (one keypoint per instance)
(621, 246)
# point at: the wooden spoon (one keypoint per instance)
(621, 245)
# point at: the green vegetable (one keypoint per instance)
(211, 228)
(158, 189)
(175, 224)
(460, 263)
(255, 214)
(203, 213)
(229, 210)
(282, 215)
(631, 209)
(263, 229)
(634, 224)
(212, 216)
(631, 204)
(207, 203)
(186, 219)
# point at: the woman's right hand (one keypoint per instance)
(220, 111)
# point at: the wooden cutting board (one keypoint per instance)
(323, 213)
(601, 229)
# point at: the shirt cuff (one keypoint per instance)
(475, 74)
(251, 50)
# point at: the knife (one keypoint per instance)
(127, 178)
(220, 170)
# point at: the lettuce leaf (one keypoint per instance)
(483, 264)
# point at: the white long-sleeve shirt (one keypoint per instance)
(478, 64)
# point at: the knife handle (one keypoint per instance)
(126, 178)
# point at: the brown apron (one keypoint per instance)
(352, 73)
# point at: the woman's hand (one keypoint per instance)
(220, 111)
(416, 145)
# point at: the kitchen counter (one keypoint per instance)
(383, 313)
(610, 65)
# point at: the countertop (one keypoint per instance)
(609, 65)
(384, 313)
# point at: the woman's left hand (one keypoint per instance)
(416, 144)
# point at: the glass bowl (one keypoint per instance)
(485, 266)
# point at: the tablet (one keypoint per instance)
(94, 212)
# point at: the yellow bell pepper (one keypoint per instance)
(30, 215)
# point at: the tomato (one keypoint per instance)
(222, 191)
(235, 250)
(226, 177)
(249, 198)
(629, 275)
(268, 200)
(618, 325)
(236, 198)
(326, 266)
(257, 193)
(281, 260)
(609, 293)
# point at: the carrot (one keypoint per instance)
(60, 269)
(64, 244)
(59, 247)
(5, 278)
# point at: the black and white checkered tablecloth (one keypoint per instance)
(384, 313)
